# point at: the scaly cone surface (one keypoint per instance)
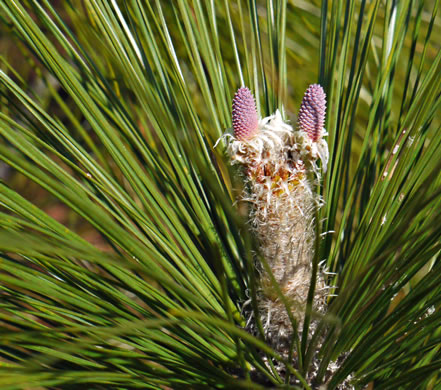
(312, 112)
(245, 119)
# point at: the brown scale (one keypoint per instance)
(261, 172)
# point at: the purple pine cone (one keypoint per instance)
(245, 120)
(312, 112)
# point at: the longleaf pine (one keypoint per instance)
(220, 194)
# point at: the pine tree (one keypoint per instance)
(177, 213)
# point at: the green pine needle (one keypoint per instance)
(126, 260)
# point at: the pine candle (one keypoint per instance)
(280, 173)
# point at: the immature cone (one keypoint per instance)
(312, 112)
(310, 125)
(245, 119)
